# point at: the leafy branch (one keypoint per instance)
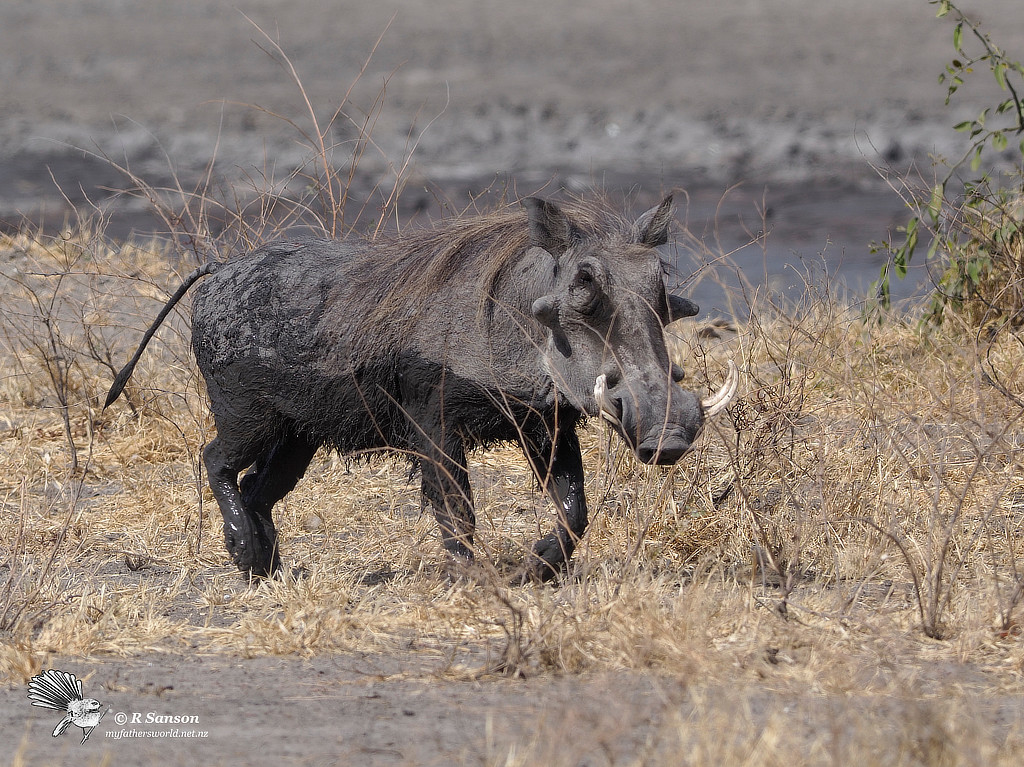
(966, 228)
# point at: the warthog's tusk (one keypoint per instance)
(604, 404)
(716, 403)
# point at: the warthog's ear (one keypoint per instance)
(652, 226)
(550, 228)
(679, 307)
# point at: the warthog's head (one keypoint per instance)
(604, 320)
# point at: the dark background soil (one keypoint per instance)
(790, 104)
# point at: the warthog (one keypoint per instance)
(508, 327)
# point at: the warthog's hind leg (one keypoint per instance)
(246, 537)
(272, 477)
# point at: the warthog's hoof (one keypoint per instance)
(254, 557)
(546, 561)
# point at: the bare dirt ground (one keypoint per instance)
(794, 100)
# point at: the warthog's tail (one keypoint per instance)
(126, 372)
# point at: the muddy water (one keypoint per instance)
(731, 243)
(787, 238)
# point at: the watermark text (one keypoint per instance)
(175, 733)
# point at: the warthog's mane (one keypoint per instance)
(478, 250)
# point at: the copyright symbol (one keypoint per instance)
(120, 717)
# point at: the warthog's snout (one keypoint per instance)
(660, 429)
(664, 449)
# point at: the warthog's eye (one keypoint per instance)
(584, 280)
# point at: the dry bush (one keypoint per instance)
(870, 452)
(982, 281)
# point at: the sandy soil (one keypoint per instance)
(350, 710)
(794, 99)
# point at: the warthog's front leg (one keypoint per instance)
(559, 469)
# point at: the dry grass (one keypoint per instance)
(854, 523)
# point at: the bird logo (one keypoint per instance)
(62, 691)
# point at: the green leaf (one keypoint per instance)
(958, 33)
(976, 160)
(966, 125)
(935, 203)
(943, 9)
(901, 256)
(881, 289)
(999, 70)
(999, 141)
